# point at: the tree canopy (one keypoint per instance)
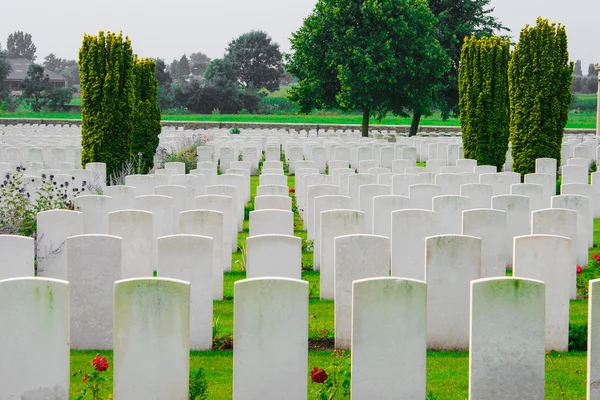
(20, 45)
(257, 61)
(374, 56)
(456, 20)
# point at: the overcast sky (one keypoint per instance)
(167, 29)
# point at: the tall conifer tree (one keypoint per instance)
(483, 99)
(539, 76)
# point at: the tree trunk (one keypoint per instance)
(365, 122)
(414, 127)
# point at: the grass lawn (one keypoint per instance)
(578, 120)
(447, 372)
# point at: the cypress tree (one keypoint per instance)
(539, 77)
(106, 66)
(483, 99)
(146, 122)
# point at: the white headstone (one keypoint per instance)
(210, 224)
(271, 319)
(17, 258)
(136, 229)
(34, 327)
(452, 262)
(274, 256)
(152, 323)
(53, 229)
(507, 339)
(93, 266)
(335, 223)
(410, 228)
(490, 226)
(389, 331)
(190, 258)
(356, 257)
(548, 258)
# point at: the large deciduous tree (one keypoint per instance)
(256, 60)
(20, 45)
(456, 20)
(539, 77)
(374, 56)
(483, 99)
(146, 121)
(107, 100)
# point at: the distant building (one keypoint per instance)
(19, 67)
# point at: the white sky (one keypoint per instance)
(167, 29)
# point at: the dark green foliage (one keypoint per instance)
(198, 63)
(161, 73)
(36, 87)
(220, 72)
(58, 98)
(376, 57)
(206, 99)
(198, 385)
(5, 70)
(146, 116)
(108, 91)
(484, 103)
(20, 45)
(257, 61)
(276, 105)
(540, 76)
(578, 337)
(457, 20)
(183, 67)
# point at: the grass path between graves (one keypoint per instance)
(447, 372)
(585, 119)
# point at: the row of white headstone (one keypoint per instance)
(507, 322)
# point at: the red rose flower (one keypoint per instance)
(292, 190)
(100, 363)
(596, 257)
(318, 375)
(85, 377)
(579, 269)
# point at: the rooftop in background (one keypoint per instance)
(21, 65)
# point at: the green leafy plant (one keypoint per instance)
(20, 200)
(221, 341)
(332, 382)
(242, 262)
(95, 380)
(234, 131)
(308, 246)
(198, 385)
(187, 153)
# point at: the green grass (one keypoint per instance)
(577, 120)
(447, 372)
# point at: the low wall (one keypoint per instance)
(265, 125)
